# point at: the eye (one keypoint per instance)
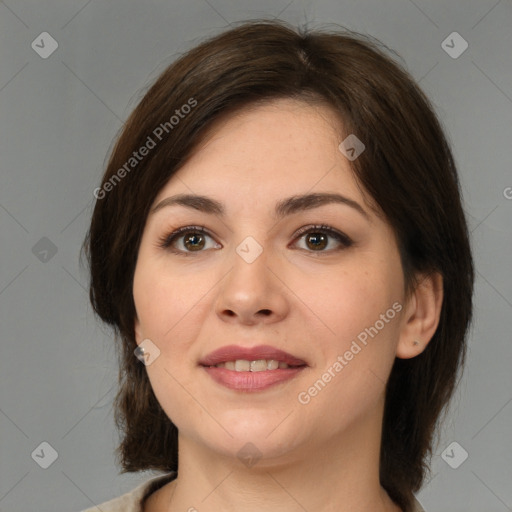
(190, 238)
(317, 238)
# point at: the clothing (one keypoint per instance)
(133, 501)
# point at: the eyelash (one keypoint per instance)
(166, 241)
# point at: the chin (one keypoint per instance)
(267, 438)
(261, 452)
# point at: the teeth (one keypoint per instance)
(272, 365)
(241, 365)
(260, 365)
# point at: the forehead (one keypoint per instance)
(266, 151)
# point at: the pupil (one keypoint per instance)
(194, 239)
(318, 239)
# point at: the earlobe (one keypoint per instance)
(421, 316)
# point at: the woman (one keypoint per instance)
(279, 244)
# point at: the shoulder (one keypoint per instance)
(417, 506)
(132, 500)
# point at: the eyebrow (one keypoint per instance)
(283, 208)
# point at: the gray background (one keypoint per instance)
(58, 117)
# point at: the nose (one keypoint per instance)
(252, 292)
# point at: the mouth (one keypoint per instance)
(258, 365)
(254, 359)
(251, 369)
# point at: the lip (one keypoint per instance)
(251, 381)
(235, 352)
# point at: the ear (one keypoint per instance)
(421, 316)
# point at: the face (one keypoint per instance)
(319, 281)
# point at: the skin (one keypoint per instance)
(310, 302)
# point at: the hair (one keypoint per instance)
(407, 168)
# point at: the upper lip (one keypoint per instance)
(235, 352)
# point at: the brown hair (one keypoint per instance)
(407, 168)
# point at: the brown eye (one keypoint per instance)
(317, 238)
(193, 242)
(186, 240)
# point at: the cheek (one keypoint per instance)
(163, 300)
(170, 310)
(352, 300)
(175, 392)
(362, 309)
(355, 367)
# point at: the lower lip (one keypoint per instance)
(251, 381)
